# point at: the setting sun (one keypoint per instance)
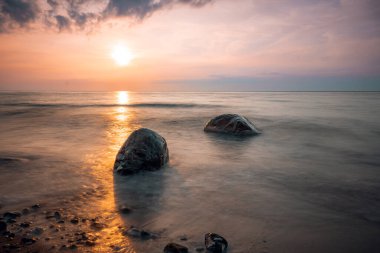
(122, 97)
(121, 55)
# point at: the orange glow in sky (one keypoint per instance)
(186, 45)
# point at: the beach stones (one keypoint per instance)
(215, 243)
(175, 248)
(231, 124)
(143, 150)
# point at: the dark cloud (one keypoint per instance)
(143, 8)
(62, 22)
(67, 14)
(17, 13)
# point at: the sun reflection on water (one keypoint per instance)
(121, 124)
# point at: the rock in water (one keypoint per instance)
(143, 150)
(215, 243)
(232, 124)
(175, 248)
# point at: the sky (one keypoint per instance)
(190, 45)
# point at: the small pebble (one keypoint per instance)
(36, 206)
(11, 221)
(74, 220)
(3, 226)
(124, 209)
(175, 248)
(37, 231)
(28, 241)
(90, 243)
(25, 224)
(145, 235)
(97, 225)
(11, 215)
(134, 232)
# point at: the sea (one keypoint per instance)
(310, 182)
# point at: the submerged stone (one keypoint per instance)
(231, 124)
(143, 150)
(125, 209)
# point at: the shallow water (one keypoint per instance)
(309, 183)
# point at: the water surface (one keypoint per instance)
(309, 183)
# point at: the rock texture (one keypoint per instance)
(215, 243)
(231, 124)
(143, 150)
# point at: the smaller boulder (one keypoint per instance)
(231, 124)
(175, 248)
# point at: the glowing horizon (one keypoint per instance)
(231, 46)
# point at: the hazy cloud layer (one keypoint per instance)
(66, 14)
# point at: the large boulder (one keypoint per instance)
(143, 150)
(231, 124)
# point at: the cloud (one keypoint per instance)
(143, 8)
(17, 13)
(77, 14)
(62, 22)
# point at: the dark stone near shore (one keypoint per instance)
(215, 243)
(36, 206)
(134, 232)
(3, 226)
(8, 234)
(175, 248)
(97, 225)
(11, 215)
(25, 224)
(25, 211)
(37, 231)
(74, 220)
(231, 124)
(11, 221)
(57, 215)
(143, 150)
(28, 241)
(125, 209)
(137, 233)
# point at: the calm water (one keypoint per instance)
(309, 183)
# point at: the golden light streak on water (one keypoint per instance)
(101, 165)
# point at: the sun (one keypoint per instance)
(121, 55)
